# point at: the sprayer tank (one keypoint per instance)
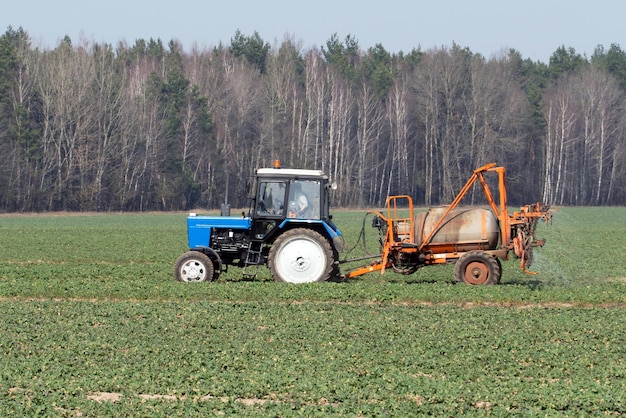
(464, 229)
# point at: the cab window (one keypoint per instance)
(271, 199)
(304, 199)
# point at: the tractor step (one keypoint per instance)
(253, 260)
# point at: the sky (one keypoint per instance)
(534, 28)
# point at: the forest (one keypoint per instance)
(149, 126)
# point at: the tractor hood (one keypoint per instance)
(199, 227)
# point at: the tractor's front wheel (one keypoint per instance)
(477, 267)
(193, 266)
(301, 256)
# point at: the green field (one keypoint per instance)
(93, 324)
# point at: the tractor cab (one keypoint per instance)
(288, 197)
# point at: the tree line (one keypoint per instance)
(148, 126)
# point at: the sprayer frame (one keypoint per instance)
(512, 227)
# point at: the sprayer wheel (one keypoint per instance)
(477, 267)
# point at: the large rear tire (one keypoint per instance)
(193, 267)
(477, 267)
(301, 256)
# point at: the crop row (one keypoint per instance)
(312, 357)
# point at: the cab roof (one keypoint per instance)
(290, 173)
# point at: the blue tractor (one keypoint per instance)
(288, 228)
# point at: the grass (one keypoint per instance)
(94, 324)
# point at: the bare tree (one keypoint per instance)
(496, 110)
(370, 118)
(585, 126)
(236, 109)
(283, 104)
(316, 98)
(561, 117)
(64, 88)
(337, 150)
(404, 150)
(602, 125)
(108, 105)
(440, 81)
(428, 100)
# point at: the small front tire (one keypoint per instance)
(193, 267)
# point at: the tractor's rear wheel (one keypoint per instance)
(301, 256)
(477, 267)
(194, 266)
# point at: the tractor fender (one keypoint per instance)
(214, 256)
(333, 235)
